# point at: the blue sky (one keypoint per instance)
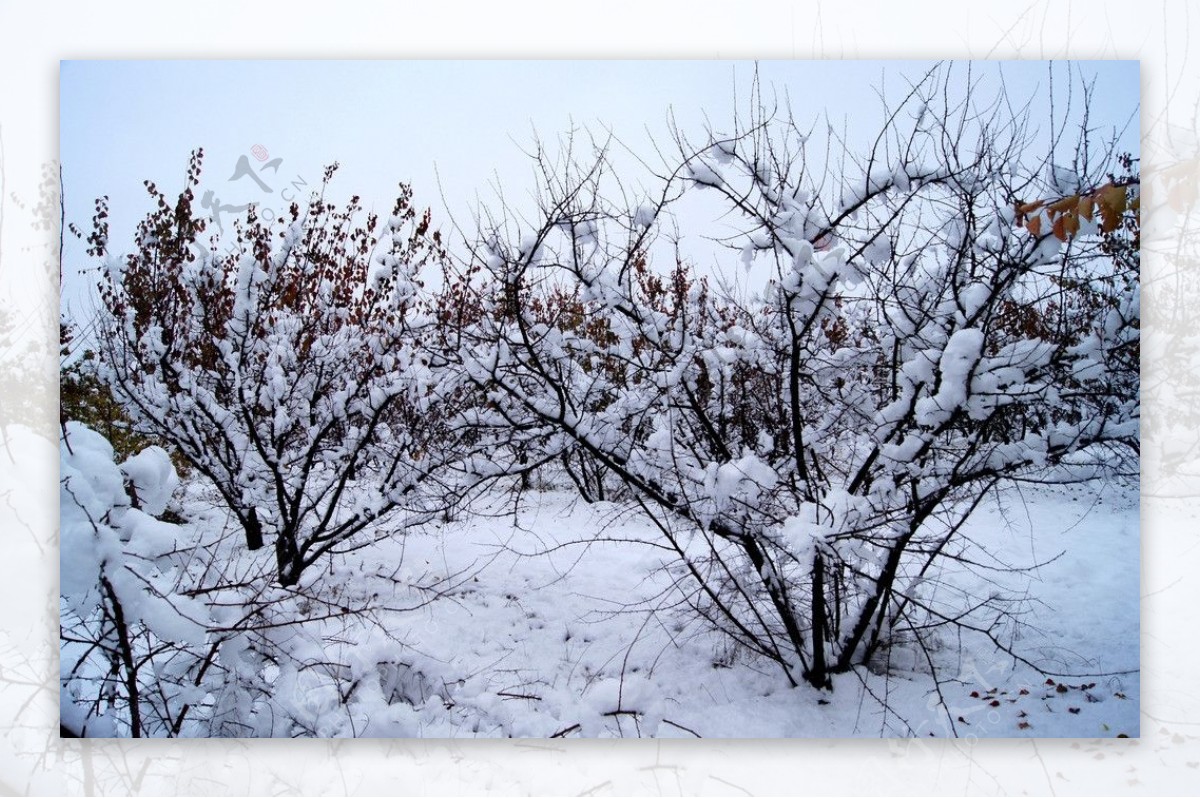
(454, 129)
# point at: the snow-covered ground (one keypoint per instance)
(539, 618)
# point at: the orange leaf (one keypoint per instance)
(1034, 225)
(1086, 206)
(1111, 220)
(1070, 224)
(1116, 197)
(1064, 205)
(1112, 201)
(1059, 228)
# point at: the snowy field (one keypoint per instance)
(557, 632)
(548, 617)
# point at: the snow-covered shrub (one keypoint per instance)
(132, 643)
(170, 630)
(286, 363)
(810, 451)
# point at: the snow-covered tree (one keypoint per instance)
(285, 364)
(810, 447)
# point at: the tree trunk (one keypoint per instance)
(818, 674)
(253, 527)
(288, 560)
